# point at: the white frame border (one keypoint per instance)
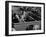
(25, 32)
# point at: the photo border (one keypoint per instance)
(7, 16)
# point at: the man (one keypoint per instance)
(21, 17)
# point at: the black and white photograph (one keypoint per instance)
(24, 18)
